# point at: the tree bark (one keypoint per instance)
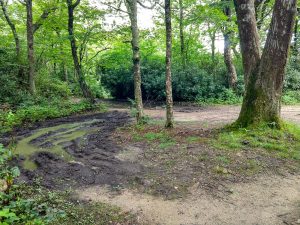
(169, 97)
(16, 39)
(181, 31)
(132, 10)
(264, 74)
(83, 86)
(232, 76)
(30, 46)
(13, 29)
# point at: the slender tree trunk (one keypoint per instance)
(181, 31)
(296, 36)
(232, 76)
(83, 86)
(30, 46)
(169, 97)
(16, 38)
(213, 45)
(132, 10)
(264, 74)
(13, 29)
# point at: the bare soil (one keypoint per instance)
(184, 182)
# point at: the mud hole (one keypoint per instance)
(91, 155)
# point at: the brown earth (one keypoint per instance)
(105, 168)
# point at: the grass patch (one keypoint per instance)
(284, 143)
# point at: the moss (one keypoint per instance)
(283, 142)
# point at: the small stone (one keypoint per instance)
(245, 142)
(298, 221)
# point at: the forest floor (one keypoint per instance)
(163, 177)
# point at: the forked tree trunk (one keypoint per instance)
(231, 71)
(132, 10)
(264, 74)
(30, 46)
(83, 86)
(169, 97)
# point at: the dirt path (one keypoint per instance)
(268, 201)
(216, 115)
(95, 169)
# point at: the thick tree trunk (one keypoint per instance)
(169, 97)
(83, 86)
(132, 10)
(265, 74)
(30, 46)
(232, 76)
(181, 31)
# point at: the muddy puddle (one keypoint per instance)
(75, 151)
(52, 139)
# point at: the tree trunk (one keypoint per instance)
(169, 98)
(213, 45)
(264, 74)
(182, 44)
(232, 76)
(16, 38)
(132, 10)
(30, 46)
(83, 86)
(13, 29)
(296, 36)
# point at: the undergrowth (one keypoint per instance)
(30, 113)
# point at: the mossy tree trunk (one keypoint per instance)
(264, 73)
(132, 11)
(169, 97)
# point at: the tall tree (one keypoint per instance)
(131, 6)
(78, 67)
(264, 73)
(227, 33)
(181, 31)
(30, 47)
(169, 97)
(12, 27)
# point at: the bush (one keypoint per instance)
(45, 109)
(205, 82)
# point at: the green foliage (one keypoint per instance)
(14, 209)
(283, 142)
(38, 110)
(291, 97)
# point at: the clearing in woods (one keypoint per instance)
(164, 177)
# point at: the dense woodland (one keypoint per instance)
(55, 49)
(63, 57)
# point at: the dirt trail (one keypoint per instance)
(268, 201)
(216, 115)
(97, 167)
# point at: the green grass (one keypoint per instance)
(45, 110)
(284, 143)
